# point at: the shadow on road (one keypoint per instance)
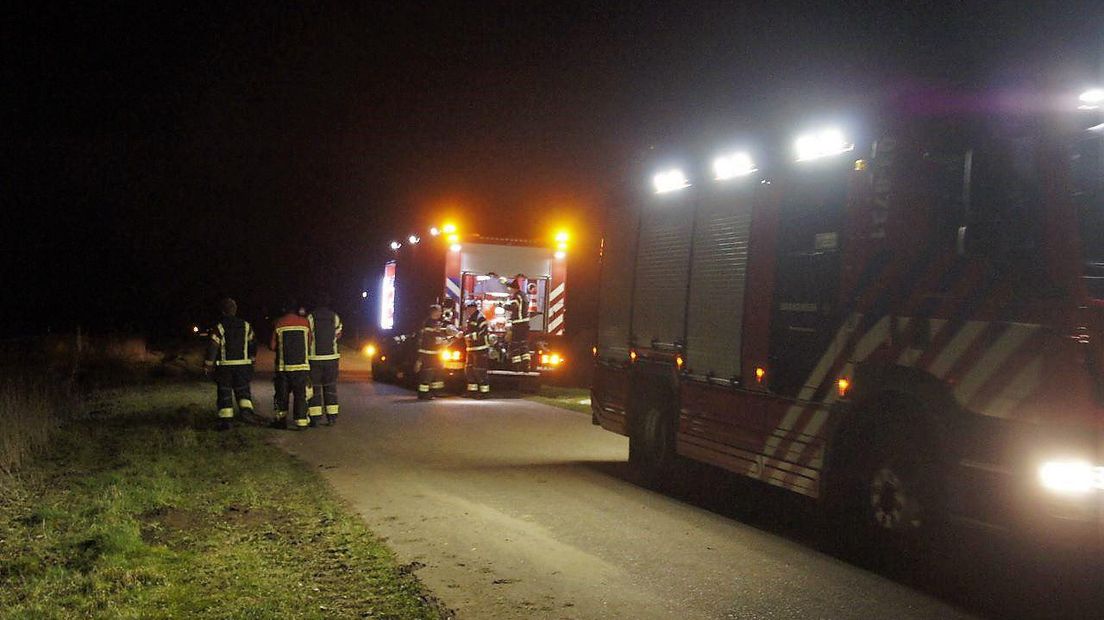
(976, 571)
(979, 571)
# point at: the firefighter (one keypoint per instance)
(429, 361)
(230, 356)
(325, 329)
(517, 316)
(477, 340)
(291, 340)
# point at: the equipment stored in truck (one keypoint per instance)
(458, 271)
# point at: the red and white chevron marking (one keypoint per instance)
(556, 310)
(993, 368)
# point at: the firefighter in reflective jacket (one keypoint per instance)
(325, 326)
(291, 340)
(517, 313)
(230, 355)
(429, 363)
(477, 340)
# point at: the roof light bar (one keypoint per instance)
(670, 181)
(733, 165)
(824, 143)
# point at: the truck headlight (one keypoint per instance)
(1071, 477)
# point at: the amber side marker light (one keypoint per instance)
(632, 356)
(760, 374)
(679, 361)
(843, 386)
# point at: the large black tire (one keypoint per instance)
(888, 500)
(652, 442)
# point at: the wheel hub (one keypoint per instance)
(893, 506)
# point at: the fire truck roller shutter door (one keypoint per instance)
(662, 266)
(615, 284)
(717, 278)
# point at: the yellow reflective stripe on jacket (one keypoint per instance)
(281, 366)
(220, 337)
(221, 341)
(314, 341)
(313, 353)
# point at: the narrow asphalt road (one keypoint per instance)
(513, 509)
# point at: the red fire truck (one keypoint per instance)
(908, 327)
(452, 269)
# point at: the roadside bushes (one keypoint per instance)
(42, 380)
(31, 409)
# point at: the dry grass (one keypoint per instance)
(43, 380)
(31, 410)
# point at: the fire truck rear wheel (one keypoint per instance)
(652, 443)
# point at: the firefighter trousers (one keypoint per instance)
(324, 380)
(475, 370)
(292, 385)
(520, 356)
(429, 376)
(233, 386)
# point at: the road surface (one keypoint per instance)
(513, 509)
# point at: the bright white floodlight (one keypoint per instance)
(395, 245)
(824, 143)
(412, 239)
(670, 181)
(732, 166)
(1091, 99)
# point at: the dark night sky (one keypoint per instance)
(160, 157)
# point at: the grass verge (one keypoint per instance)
(142, 510)
(574, 399)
